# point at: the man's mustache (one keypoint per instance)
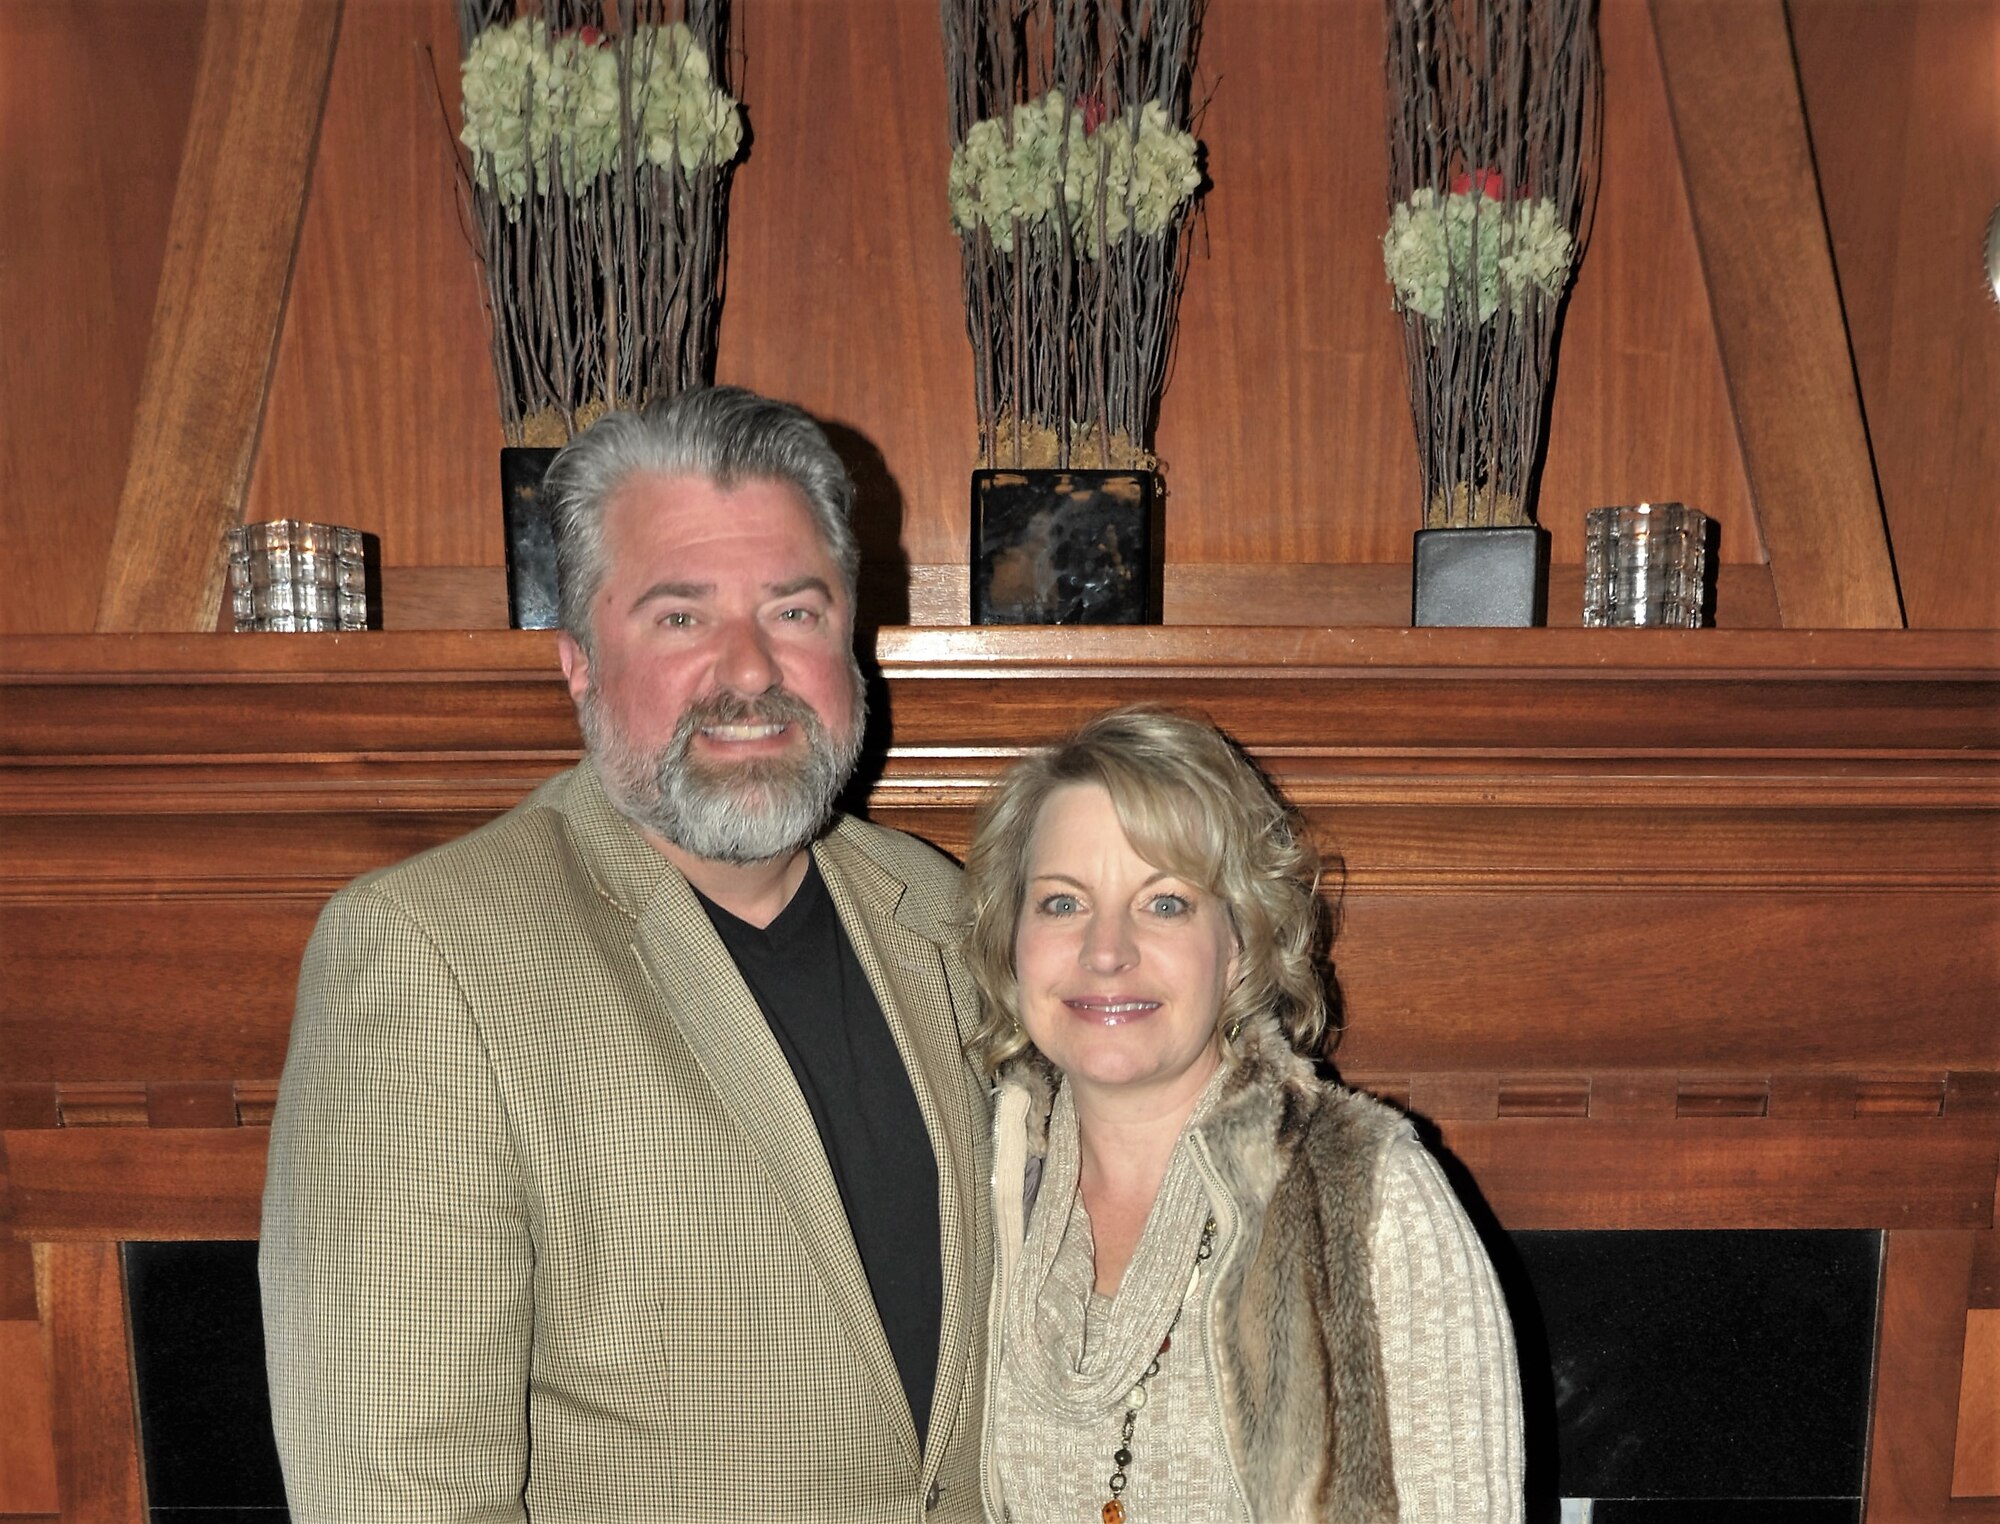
(774, 706)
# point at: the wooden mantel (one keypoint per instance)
(1656, 929)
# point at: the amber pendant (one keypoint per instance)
(1114, 1512)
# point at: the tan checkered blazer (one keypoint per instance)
(549, 1232)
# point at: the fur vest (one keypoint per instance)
(1296, 1353)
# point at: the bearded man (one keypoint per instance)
(627, 1164)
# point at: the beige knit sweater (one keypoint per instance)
(1067, 1356)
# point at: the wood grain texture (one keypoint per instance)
(78, 1184)
(1562, 974)
(843, 267)
(85, 1184)
(1755, 199)
(24, 1105)
(219, 1008)
(200, 989)
(1925, 1276)
(1905, 118)
(179, 1104)
(27, 1422)
(1728, 1173)
(86, 188)
(1286, 430)
(90, 1374)
(17, 1273)
(444, 597)
(1286, 426)
(1642, 410)
(1975, 1470)
(1986, 1270)
(1809, 812)
(237, 204)
(383, 414)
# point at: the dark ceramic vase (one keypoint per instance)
(1065, 547)
(1481, 576)
(531, 538)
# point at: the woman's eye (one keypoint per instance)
(1170, 905)
(1058, 904)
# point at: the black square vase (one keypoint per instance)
(1482, 576)
(531, 538)
(1065, 547)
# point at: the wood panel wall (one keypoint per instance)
(1906, 126)
(92, 112)
(1286, 431)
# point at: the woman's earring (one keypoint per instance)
(1230, 1032)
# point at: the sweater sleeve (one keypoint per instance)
(1454, 1392)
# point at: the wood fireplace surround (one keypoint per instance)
(1658, 929)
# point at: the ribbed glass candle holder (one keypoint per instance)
(1646, 564)
(291, 575)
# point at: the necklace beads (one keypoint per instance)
(1113, 1511)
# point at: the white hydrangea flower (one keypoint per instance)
(1146, 175)
(503, 107)
(1478, 248)
(682, 115)
(979, 184)
(533, 102)
(590, 82)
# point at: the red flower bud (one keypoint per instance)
(1491, 186)
(1093, 109)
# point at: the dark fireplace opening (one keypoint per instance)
(1713, 1377)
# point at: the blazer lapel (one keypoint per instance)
(899, 949)
(706, 1000)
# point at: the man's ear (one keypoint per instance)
(575, 664)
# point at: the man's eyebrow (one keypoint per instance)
(806, 584)
(672, 590)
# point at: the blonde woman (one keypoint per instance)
(1226, 1288)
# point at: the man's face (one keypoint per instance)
(721, 700)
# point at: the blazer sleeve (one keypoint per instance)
(396, 1260)
(1448, 1362)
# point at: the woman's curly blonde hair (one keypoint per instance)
(1192, 804)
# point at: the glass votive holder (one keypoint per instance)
(1646, 564)
(291, 575)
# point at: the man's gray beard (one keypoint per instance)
(750, 812)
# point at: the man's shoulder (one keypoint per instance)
(919, 880)
(910, 858)
(503, 858)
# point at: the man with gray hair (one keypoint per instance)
(628, 1164)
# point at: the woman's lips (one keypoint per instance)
(1111, 1010)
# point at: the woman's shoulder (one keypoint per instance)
(1349, 1142)
(1345, 1119)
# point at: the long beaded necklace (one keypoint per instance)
(1113, 1511)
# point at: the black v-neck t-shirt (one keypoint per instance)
(823, 1012)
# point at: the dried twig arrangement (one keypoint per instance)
(1494, 121)
(601, 137)
(1073, 173)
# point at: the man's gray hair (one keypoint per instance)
(723, 433)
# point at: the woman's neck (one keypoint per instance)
(1125, 1141)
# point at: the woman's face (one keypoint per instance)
(1121, 966)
